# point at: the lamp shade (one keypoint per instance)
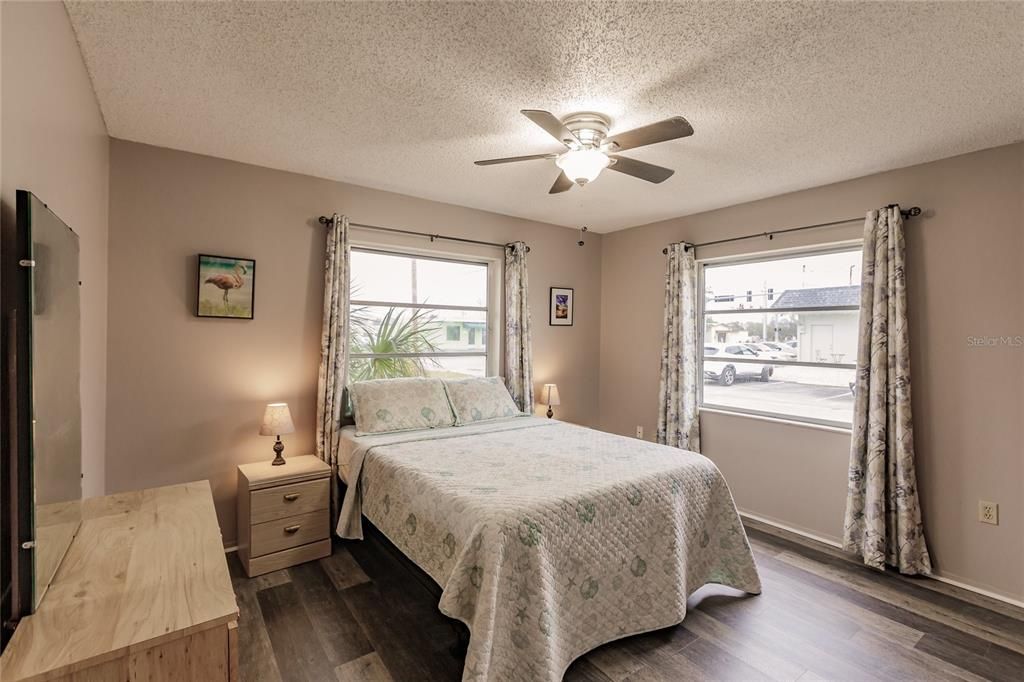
(550, 394)
(277, 419)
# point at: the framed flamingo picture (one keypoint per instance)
(227, 287)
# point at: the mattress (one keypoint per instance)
(548, 539)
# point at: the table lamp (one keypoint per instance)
(277, 419)
(550, 394)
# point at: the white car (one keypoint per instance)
(771, 350)
(787, 352)
(725, 372)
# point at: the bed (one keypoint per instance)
(547, 539)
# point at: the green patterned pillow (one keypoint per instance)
(476, 400)
(386, 405)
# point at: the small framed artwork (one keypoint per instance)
(227, 287)
(561, 307)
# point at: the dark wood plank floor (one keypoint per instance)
(359, 615)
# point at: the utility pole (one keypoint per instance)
(764, 316)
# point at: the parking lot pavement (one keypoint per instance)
(832, 403)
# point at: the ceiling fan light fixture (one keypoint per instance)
(591, 150)
(583, 165)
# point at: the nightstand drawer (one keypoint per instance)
(283, 501)
(274, 536)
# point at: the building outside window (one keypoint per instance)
(418, 315)
(779, 334)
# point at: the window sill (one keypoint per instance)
(778, 420)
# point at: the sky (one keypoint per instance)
(821, 270)
(386, 277)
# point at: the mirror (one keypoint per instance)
(54, 361)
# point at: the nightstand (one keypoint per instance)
(284, 515)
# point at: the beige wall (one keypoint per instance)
(965, 260)
(186, 394)
(54, 144)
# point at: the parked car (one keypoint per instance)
(784, 352)
(725, 372)
(764, 350)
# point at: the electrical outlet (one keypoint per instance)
(988, 512)
(639, 431)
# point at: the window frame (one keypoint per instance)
(761, 257)
(492, 352)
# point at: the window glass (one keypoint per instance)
(808, 336)
(808, 393)
(806, 281)
(397, 278)
(780, 335)
(415, 316)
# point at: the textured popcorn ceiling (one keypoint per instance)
(405, 96)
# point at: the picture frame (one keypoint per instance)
(561, 307)
(225, 287)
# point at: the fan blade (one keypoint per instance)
(512, 159)
(551, 125)
(640, 169)
(669, 129)
(562, 184)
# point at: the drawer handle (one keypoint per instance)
(292, 529)
(291, 497)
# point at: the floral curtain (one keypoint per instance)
(883, 516)
(518, 356)
(334, 344)
(678, 420)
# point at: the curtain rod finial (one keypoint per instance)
(686, 247)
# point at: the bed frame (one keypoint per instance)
(372, 535)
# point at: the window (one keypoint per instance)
(409, 314)
(779, 335)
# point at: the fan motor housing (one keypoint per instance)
(589, 127)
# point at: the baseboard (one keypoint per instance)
(790, 529)
(232, 548)
(830, 546)
(977, 590)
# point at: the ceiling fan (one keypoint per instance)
(591, 150)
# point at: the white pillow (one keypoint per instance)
(475, 400)
(386, 405)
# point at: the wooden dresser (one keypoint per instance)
(142, 594)
(284, 513)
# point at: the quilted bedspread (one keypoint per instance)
(549, 539)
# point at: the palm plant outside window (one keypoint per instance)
(413, 315)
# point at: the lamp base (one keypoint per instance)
(278, 449)
(550, 412)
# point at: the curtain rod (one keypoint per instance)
(324, 220)
(907, 213)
